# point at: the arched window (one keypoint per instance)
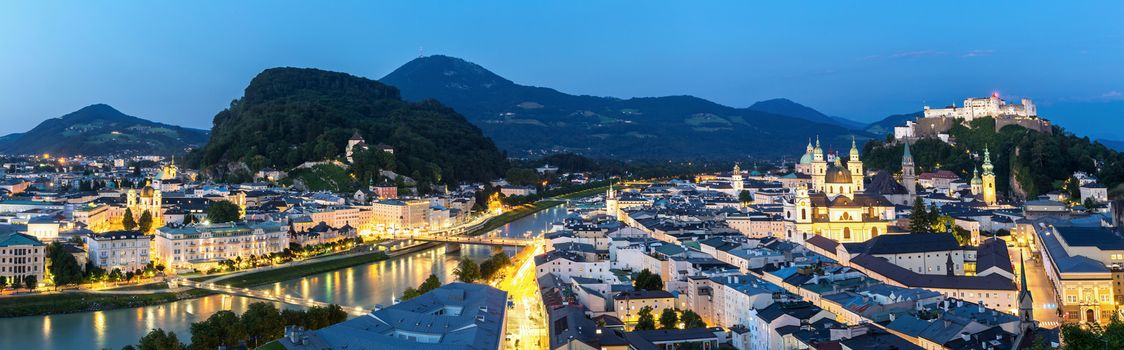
(846, 233)
(873, 232)
(803, 214)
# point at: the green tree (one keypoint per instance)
(692, 320)
(223, 211)
(645, 320)
(668, 319)
(410, 293)
(467, 271)
(188, 219)
(223, 328)
(745, 197)
(3, 283)
(158, 339)
(30, 281)
(63, 267)
(919, 218)
(430, 283)
(262, 322)
(522, 176)
(128, 221)
(145, 224)
(116, 275)
(646, 280)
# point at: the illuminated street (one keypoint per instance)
(1045, 301)
(526, 324)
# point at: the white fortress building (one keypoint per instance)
(978, 107)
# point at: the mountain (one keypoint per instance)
(531, 121)
(288, 116)
(886, 125)
(784, 106)
(1113, 144)
(102, 130)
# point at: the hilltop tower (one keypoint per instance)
(356, 140)
(988, 179)
(909, 175)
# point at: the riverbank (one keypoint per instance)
(81, 301)
(515, 214)
(72, 302)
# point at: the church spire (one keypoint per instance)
(906, 156)
(987, 167)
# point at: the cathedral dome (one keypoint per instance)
(837, 175)
(806, 159)
(147, 192)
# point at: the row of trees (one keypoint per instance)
(430, 283)
(144, 224)
(669, 319)
(468, 271)
(261, 323)
(29, 282)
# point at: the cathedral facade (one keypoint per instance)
(836, 206)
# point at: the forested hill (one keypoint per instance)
(529, 121)
(289, 116)
(99, 129)
(1027, 163)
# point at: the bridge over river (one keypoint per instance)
(263, 295)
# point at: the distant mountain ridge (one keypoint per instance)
(102, 130)
(786, 107)
(530, 121)
(886, 125)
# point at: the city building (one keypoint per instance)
(21, 255)
(125, 250)
(456, 316)
(202, 246)
(1080, 262)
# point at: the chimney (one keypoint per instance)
(982, 309)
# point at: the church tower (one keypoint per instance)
(988, 179)
(736, 180)
(977, 183)
(819, 167)
(855, 166)
(909, 176)
(1026, 301)
(611, 200)
(803, 205)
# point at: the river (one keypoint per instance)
(361, 285)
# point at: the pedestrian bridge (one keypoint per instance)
(482, 240)
(263, 295)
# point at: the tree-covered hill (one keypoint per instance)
(102, 130)
(1027, 163)
(530, 121)
(289, 116)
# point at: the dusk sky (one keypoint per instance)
(181, 63)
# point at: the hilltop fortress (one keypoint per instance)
(937, 121)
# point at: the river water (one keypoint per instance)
(362, 285)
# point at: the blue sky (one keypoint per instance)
(183, 62)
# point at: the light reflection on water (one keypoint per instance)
(362, 285)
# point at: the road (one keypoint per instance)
(526, 323)
(1045, 299)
